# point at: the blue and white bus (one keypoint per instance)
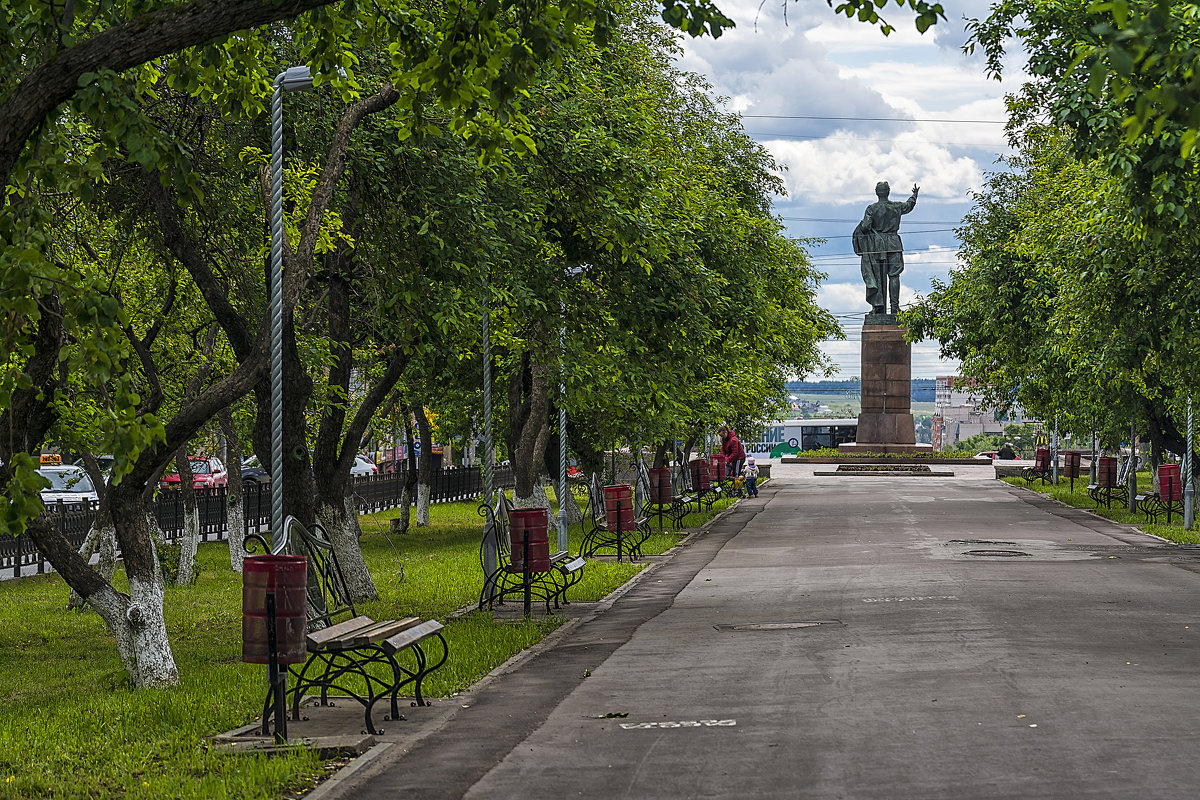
(792, 435)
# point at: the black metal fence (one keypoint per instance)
(19, 556)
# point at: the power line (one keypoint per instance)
(906, 233)
(877, 119)
(859, 219)
(767, 135)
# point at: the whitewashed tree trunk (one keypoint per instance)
(235, 510)
(405, 509)
(539, 498)
(104, 540)
(235, 516)
(107, 564)
(140, 631)
(424, 492)
(344, 532)
(574, 515)
(188, 546)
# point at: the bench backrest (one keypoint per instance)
(328, 598)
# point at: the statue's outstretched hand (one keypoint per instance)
(916, 189)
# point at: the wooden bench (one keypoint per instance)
(350, 654)
(545, 586)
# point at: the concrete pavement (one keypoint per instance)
(852, 637)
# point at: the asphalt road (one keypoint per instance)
(856, 637)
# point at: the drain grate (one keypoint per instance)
(980, 541)
(997, 553)
(778, 626)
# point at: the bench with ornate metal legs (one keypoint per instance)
(620, 528)
(548, 586)
(1041, 469)
(1106, 486)
(1169, 497)
(350, 654)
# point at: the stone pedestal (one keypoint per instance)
(886, 422)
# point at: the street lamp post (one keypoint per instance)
(563, 491)
(1189, 488)
(293, 79)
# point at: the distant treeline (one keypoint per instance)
(922, 388)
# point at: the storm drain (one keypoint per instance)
(778, 626)
(979, 541)
(997, 553)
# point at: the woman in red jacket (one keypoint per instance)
(731, 448)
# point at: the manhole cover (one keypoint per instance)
(979, 541)
(997, 553)
(777, 626)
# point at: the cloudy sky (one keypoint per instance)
(842, 106)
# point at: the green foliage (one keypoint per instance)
(1061, 306)
(1120, 76)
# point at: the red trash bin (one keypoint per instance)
(716, 467)
(618, 500)
(1106, 474)
(286, 578)
(1071, 463)
(1170, 485)
(661, 491)
(701, 480)
(537, 522)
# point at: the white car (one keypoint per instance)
(363, 466)
(70, 484)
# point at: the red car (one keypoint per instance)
(206, 474)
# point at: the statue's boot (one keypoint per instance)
(894, 292)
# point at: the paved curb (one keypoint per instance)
(373, 760)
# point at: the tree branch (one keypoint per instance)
(122, 47)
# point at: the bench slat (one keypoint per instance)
(574, 564)
(394, 644)
(316, 640)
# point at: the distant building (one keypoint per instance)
(959, 413)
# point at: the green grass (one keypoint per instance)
(71, 727)
(1119, 512)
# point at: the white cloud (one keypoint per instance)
(832, 169)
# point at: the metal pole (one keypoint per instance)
(1054, 452)
(563, 493)
(1131, 470)
(276, 282)
(1189, 489)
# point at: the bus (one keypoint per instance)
(793, 435)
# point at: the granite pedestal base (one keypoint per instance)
(886, 422)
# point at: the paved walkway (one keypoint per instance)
(852, 637)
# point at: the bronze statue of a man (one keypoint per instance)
(877, 241)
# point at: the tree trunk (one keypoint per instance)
(536, 499)
(101, 539)
(344, 533)
(529, 430)
(235, 509)
(424, 467)
(191, 521)
(137, 621)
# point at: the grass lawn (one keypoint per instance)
(70, 726)
(1119, 511)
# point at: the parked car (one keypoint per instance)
(207, 473)
(363, 466)
(253, 472)
(70, 484)
(990, 455)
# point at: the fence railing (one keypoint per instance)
(19, 556)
